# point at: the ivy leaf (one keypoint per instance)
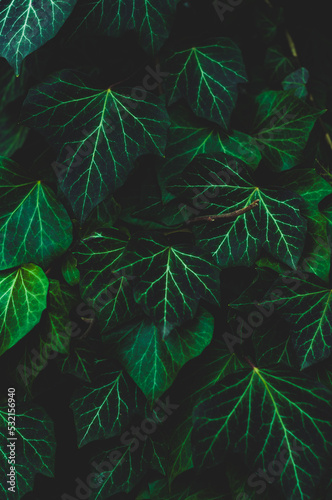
(172, 279)
(207, 77)
(55, 337)
(297, 80)
(126, 466)
(256, 414)
(218, 362)
(282, 126)
(35, 448)
(69, 270)
(12, 136)
(22, 300)
(306, 305)
(107, 291)
(313, 189)
(189, 137)
(78, 362)
(103, 408)
(114, 18)
(105, 131)
(154, 363)
(25, 27)
(11, 86)
(34, 225)
(279, 65)
(218, 183)
(104, 215)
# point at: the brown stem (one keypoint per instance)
(229, 215)
(250, 362)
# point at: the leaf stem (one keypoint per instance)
(229, 215)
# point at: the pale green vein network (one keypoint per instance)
(98, 134)
(261, 412)
(25, 26)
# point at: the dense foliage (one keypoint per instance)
(165, 251)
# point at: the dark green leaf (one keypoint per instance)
(35, 227)
(105, 131)
(207, 76)
(25, 27)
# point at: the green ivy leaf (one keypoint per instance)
(126, 466)
(218, 183)
(35, 227)
(22, 300)
(104, 407)
(114, 18)
(189, 137)
(35, 449)
(104, 215)
(279, 65)
(105, 131)
(55, 337)
(256, 414)
(218, 362)
(107, 291)
(172, 279)
(313, 189)
(282, 126)
(297, 80)
(12, 136)
(306, 305)
(11, 86)
(78, 362)
(69, 270)
(25, 27)
(207, 77)
(153, 362)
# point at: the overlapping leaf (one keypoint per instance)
(297, 80)
(12, 135)
(172, 279)
(154, 363)
(34, 449)
(216, 184)
(103, 408)
(24, 27)
(22, 300)
(282, 126)
(69, 270)
(34, 226)
(217, 362)
(151, 22)
(78, 362)
(128, 462)
(56, 333)
(189, 137)
(313, 189)
(206, 76)
(98, 134)
(107, 291)
(306, 305)
(256, 413)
